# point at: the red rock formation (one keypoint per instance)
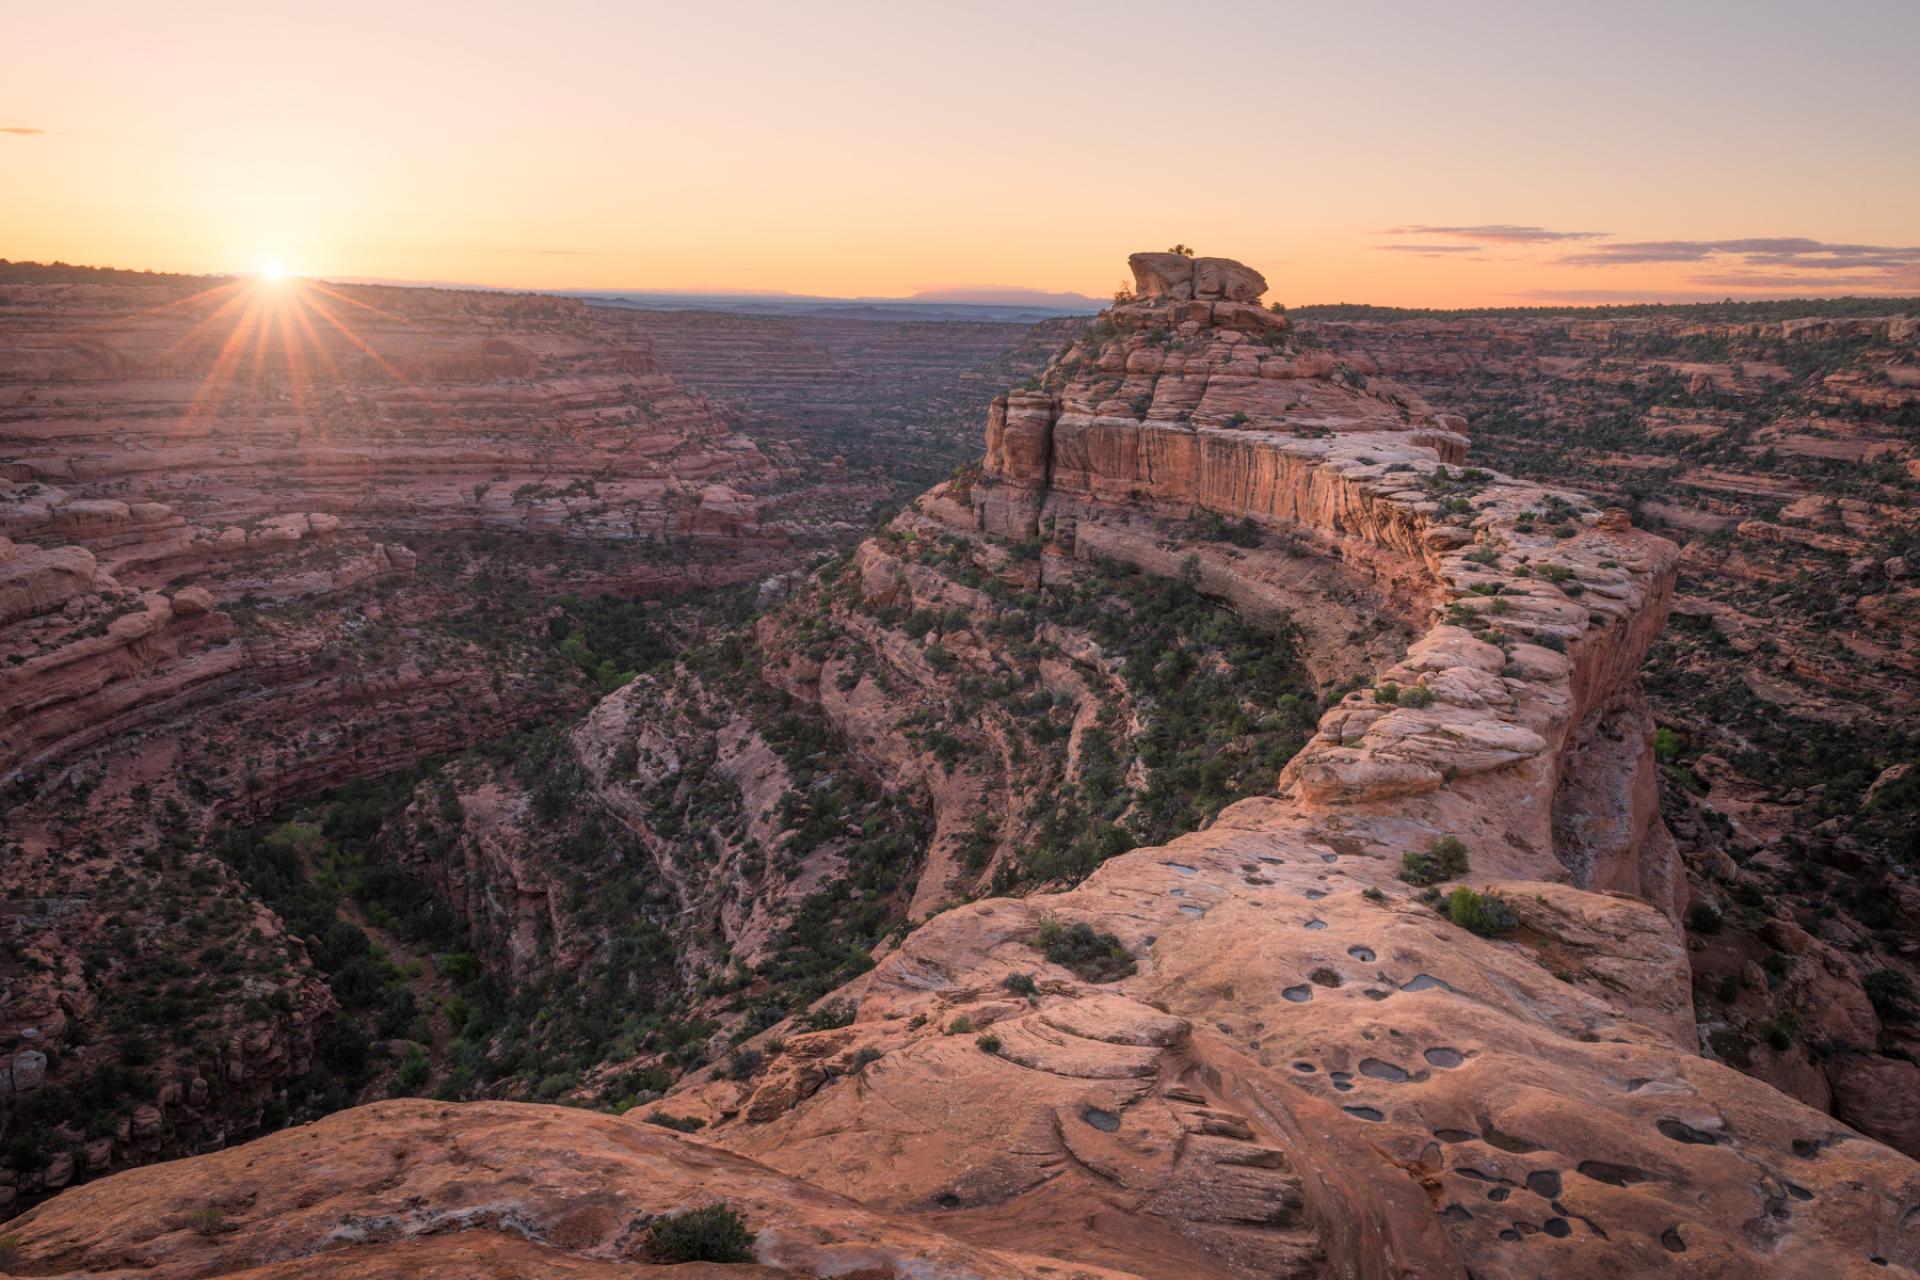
(1298, 1066)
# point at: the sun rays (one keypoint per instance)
(278, 331)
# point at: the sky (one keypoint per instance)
(1419, 154)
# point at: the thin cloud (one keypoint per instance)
(1791, 252)
(1499, 233)
(21, 130)
(1429, 250)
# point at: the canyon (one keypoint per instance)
(1222, 832)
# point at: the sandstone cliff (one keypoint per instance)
(1266, 1047)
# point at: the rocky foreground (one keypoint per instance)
(1422, 1008)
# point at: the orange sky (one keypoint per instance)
(855, 149)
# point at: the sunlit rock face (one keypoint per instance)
(1312, 1071)
(1267, 1053)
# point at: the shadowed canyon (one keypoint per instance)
(1201, 790)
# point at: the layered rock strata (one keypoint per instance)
(1259, 1050)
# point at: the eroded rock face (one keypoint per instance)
(1267, 1054)
(421, 1188)
(1311, 1069)
(1182, 278)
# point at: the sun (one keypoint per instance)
(273, 272)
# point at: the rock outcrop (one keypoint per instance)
(1423, 1008)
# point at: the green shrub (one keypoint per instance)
(711, 1234)
(679, 1124)
(1091, 956)
(1891, 993)
(1416, 695)
(1445, 858)
(1021, 984)
(988, 1043)
(1483, 913)
(960, 1025)
(1388, 693)
(1704, 918)
(832, 1014)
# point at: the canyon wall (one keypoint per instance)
(1421, 1006)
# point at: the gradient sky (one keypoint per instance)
(1418, 154)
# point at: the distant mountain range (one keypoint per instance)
(958, 303)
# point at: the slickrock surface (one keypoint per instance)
(1780, 450)
(420, 1189)
(1254, 1049)
(1300, 1077)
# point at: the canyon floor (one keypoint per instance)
(1352, 793)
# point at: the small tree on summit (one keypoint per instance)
(1182, 250)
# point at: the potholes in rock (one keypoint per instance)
(1176, 893)
(1507, 1142)
(1810, 1148)
(1510, 1235)
(1316, 925)
(1477, 1175)
(1798, 1192)
(1425, 982)
(1558, 1228)
(1375, 993)
(1499, 1194)
(1366, 1113)
(1679, 1132)
(1104, 1121)
(1191, 910)
(1455, 1213)
(1342, 1080)
(1300, 994)
(1182, 868)
(1363, 954)
(1324, 977)
(1670, 1240)
(1313, 895)
(1329, 857)
(1305, 1068)
(1544, 1183)
(1453, 1135)
(1614, 1175)
(1443, 1057)
(1375, 1069)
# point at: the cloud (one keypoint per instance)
(1429, 250)
(21, 130)
(1627, 296)
(1790, 252)
(1499, 233)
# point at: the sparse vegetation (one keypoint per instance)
(715, 1233)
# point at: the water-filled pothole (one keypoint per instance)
(1363, 954)
(1104, 1121)
(1441, 1056)
(1365, 1113)
(1679, 1132)
(1300, 994)
(1375, 1069)
(1424, 982)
